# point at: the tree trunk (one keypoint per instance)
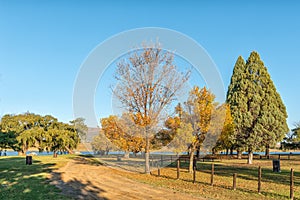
(227, 150)
(191, 160)
(239, 154)
(147, 155)
(23, 150)
(250, 157)
(267, 153)
(231, 151)
(54, 154)
(198, 152)
(126, 154)
(213, 151)
(69, 150)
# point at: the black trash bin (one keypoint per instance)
(276, 165)
(28, 160)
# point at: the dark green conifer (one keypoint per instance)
(257, 109)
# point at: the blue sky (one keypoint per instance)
(43, 44)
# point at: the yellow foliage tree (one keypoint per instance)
(198, 113)
(122, 134)
(226, 139)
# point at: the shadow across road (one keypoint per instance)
(41, 180)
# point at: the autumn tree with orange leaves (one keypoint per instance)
(148, 81)
(122, 134)
(164, 136)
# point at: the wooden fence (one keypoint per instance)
(185, 159)
(158, 161)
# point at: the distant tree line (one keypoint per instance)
(292, 139)
(46, 133)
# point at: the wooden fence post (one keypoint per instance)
(158, 170)
(178, 168)
(292, 184)
(259, 180)
(234, 181)
(212, 174)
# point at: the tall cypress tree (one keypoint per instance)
(257, 109)
(273, 113)
(236, 103)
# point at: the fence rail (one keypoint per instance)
(234, 177)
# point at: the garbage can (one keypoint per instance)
(276, 165)
(119, 158)
(28, 160)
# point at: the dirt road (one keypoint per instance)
(84, 181)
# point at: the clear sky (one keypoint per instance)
(43, 43)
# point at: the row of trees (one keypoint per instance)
(253, 117)
(22, 131)
(257, 109)
(196, 124)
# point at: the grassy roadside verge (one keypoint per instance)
(20, 181)
(274, 185)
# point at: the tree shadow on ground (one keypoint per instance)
(245, 172)
(87, 159)
(21, 181)
(205, 184)
(76, 189)
(251, 173)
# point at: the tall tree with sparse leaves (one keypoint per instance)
(148, 82)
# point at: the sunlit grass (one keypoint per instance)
(20, 181)
(274, 185)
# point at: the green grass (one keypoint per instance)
(274, 185)
(20, 181)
